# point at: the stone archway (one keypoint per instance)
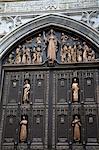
(51, 109)
(47, 20)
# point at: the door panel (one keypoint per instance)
(50, 111)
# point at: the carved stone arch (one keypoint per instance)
(43, 21)
(50, 107)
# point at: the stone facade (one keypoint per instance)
(49, 70)
(15, 14)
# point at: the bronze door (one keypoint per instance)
(50, 109)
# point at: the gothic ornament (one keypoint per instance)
(50, 47)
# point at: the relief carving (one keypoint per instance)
(11, 58)
(88, 53)
(39, 39)
(18, 55)
(26, 58)
(52, 46)
(37, 55)
(64, 38)
(76, 52)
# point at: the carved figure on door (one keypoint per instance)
(75, 90)
(76, 124)
(23, 129)
(26, 92)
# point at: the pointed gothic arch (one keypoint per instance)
(48, 103)
(43, 21)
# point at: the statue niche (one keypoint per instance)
(23, 129)
(76, 124)
(26, 92)
(75, 90)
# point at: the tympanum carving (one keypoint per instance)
(52, 46)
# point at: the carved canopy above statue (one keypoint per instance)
(41, 40)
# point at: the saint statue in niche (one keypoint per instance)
(52, 47)
(75, 90)
(76, 124)
(26, 92)
(23, 129)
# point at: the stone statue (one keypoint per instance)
(26, 58)
(64, 54)
(91, 55)
(38, 39)
(85, 52)
(11, 58)
(73, 53)
(79, 56)
(64, 38)
(39, 55)
(34, 56)
(75, 90)
(76, 129)
(69, 58)
(23, 129)
(24, 55)
(26, 92)
(79, 53)
(52, 47)
(18, 55)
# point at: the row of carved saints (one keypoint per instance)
(76, 124)
(27, 86)
(50, 44)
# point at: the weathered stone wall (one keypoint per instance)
(13, 14)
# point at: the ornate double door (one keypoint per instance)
(50, 109)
